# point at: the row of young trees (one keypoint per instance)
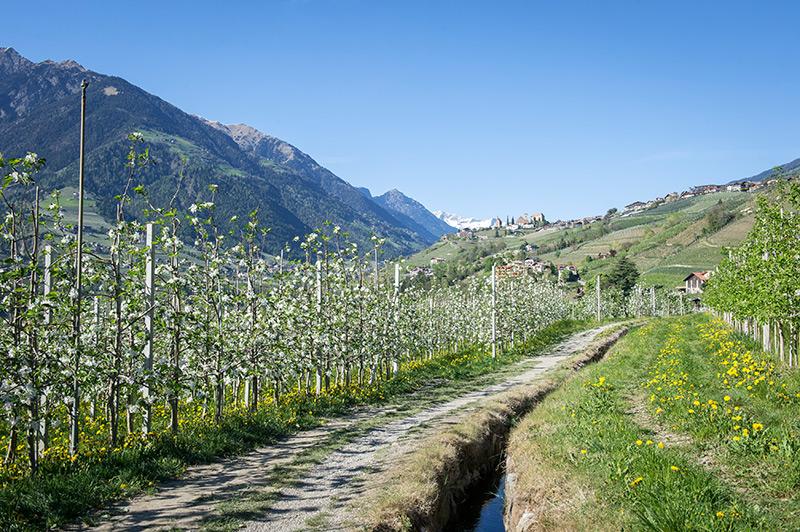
(756, 287)
(162, 329)
(214, 325)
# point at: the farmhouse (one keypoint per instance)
(694, 282)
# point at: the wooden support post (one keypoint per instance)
(149, 301)
(653, 300)
(48, 281)
(598, 315)
(494, 311)
(395, 361)
(318, 373)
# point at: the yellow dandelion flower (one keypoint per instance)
(639, 442)
(720, 514)
(661, 445)
(636, 481)
(584, 451)
(674, 468)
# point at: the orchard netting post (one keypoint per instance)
(597, 290)
(149, 301)
(74, 432)
(494, 311)
(318, 373)
(653, 300)
(395, 363)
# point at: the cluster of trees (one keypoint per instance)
(757, 286)
(465, 263)
(716, 218)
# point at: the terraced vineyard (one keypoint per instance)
(666, 242)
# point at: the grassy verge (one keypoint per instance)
(64, 490)
(684, 427)
(424, 490)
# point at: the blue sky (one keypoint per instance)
(479, 108)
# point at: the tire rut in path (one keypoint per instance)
(323, 498)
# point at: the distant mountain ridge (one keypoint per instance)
(39, 111)
(790, 168)
(400, 204)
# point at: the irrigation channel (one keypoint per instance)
(241, 492)
(454, 479)
(484, 510)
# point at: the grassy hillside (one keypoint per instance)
(666, 242)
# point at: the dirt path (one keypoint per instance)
(322, 497)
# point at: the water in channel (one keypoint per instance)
(491, 516)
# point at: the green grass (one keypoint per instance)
(62, 492)
(602, 432)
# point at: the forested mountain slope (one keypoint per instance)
(39, 111)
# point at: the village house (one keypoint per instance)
(634, 207)
(516, 268)
(420, 271)
(706, 189)
(536, 265)
(694, 282)
(437, 260)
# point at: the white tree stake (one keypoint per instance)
(494, 311)
(149, 301)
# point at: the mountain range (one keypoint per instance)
(293, 194)
(788, 169)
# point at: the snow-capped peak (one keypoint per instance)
(460, 222)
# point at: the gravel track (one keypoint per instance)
(323, 497)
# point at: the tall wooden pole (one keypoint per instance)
(76, 324)
(149, 301)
